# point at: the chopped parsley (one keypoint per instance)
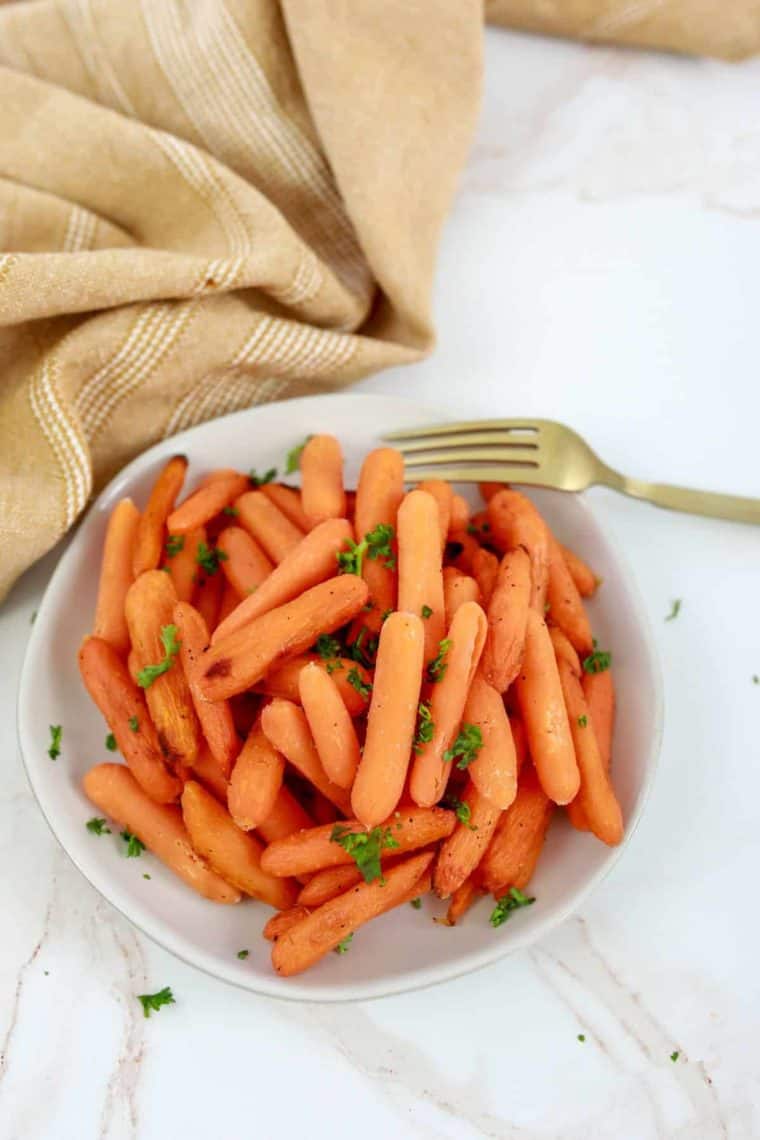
(343, 945)
(97, 826)
(363, 652)
(436, 669)
(755, 679)
(583, 720)
(134, 724)
(111, 742)
(260, 480)
(135, 846)
(150, 673)
(675, 1055)
(675, 609)
(56, 732)
(293, 458)
(511, 901)
(477, 531)
(174, 544)
(209, 557)
(354, 679)
(365, 848)
(243, 954)
(416, 903)
(330, 650)
(146, 875)
(461, 810)
(153, 1002)
(33, 618)
(466, 746)
(581, 1036)
(598, 661)
(375, 544)
(425, 727)
(385, 615)
(426, 612)
(233, 512)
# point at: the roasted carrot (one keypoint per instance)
(443, 494)
(181, 561)
(230, 601)
(485, 570)
(214, 716)
(458, 588)
(313, 849)
(599, 691)
(378, 497)
(149, 540)
(267, 524)
(331, 726)
(460, 550)
(207, 501)
(460, 513)
(566, 608)
(313, 937)
(206, 769)
(488, 490)
(328, 883)
(462, 899)
(431, 767)
(116, 575)
(507, 619)
(256, 781)
(150, 616)
(123, 705)
(517, 728)
(238, 662)
(460, 854)
(286, 817)
(114, 790)
(286, 728)
(322, 494)
(287, 500)
(232, 853)
(494, 770)
(585, 579)
(311, 561)
(321, 808)
(246, 565)
(283, 920)
(282, 681)
(519, 836)
(420, 580)
(208, 597)
(542, 708)
(516, 522)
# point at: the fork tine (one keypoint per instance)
(522, 456)
(502, 438)
(483, 473)
(531, 426)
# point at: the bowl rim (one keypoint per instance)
(420, 976)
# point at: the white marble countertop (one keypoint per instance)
(602, 265)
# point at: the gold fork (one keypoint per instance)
(543, 453)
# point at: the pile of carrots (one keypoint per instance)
(335, 702)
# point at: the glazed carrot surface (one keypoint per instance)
(333, 702)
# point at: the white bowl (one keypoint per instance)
(405, 949)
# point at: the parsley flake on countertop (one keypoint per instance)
(111, 742)
(56, 732)
(598, 661)
(416, 903)
(581, 1036)
(675, 609)
(97, 826)
(243, 954)
(365, 848)
(436, 669)
(135, 846)
(675, 1055)
(511, 901)
(755, 679)
(153, 1002)
(170, 642)
(343, 945)
(466, 746)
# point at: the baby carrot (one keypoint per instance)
(432, 765)
(116, 575)
(287, 500)
(566, 608)
(330, 723)
(460, 854)
(518, 839)
(282, 681)
(256, 781)
(267, 524)
(214, 716)
(462, 899)
(420, 581)
(207, 771)
(313, 937)
(494, 770)
(238, 662)
(392, 718)
(150, 616)
(181, 561)
(584, 577)
(460, 513)
(246, 565)
(378, 497)
(208, 597)
(198, 508)
(507, 619)
(149, 540)
(232, 853)
(328, 883)
(322, 494)
(458, 588)
(287, 730)
(311, 561)
(443, 494)
(461, 549)
(283, 920)
(599, 691)
(230, 601)
(488, 490)
(286, 817)
(113, 789)
(123, 705)
(516, 522)
(543, 712)
(485, 570)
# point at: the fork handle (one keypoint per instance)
(692, 502)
